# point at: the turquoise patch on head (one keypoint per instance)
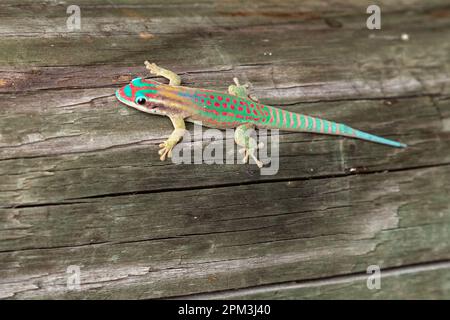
(138, 83)
(127, 91)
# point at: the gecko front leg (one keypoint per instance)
(174, 138)
(174, 79)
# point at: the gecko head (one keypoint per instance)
(141, 94)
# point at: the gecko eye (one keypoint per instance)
(141, 101)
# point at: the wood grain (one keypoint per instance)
(81, 183)
(401, 283)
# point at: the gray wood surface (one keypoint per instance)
(81, 183)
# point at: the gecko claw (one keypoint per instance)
(251, 153)
(166, 149)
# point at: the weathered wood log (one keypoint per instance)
(81, 183)
(175, 243)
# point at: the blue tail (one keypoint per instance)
(303, 123)
(370, 137)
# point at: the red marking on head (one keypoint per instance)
(232, 107)
(255, 113)
(131, 90)
(227, 99)
(211, 97)
(252, 105)
(239, 108)
(219, 97)
(239, 116)
(208, 102)
(216, 104)
(266, 113)
(122, 94)
(125, 97)
(248, 110)
(224, 105)
(203, 100)
(234, 101)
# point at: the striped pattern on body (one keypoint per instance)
(291, 121)
(222, 110)
(226, 108)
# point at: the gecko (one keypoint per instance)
(235, 109)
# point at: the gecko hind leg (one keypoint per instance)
(174, 79)
(240, 90)
(243, 138)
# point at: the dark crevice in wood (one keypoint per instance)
(139, 240)
(43, 204)
(261, 182)
(56, 247)
(287, 213)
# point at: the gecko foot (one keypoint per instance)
(152, 67)
(236, 81)
(174, 79)
(251, 153)
(241, 90)
(166, 149)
